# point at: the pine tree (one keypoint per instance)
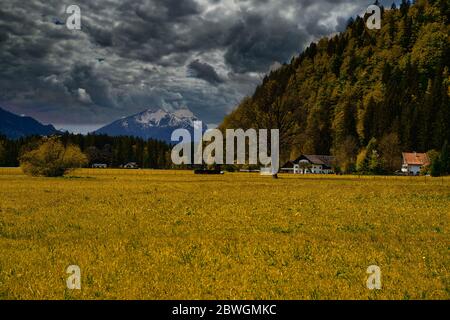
(444, 159)
(369, 160)
(436, 167)
(368, 120)
(404, 7)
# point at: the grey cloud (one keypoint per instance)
(130, 55)
(204, 71)
(99, 89)
(257, 41)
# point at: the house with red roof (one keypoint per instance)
(413, 162)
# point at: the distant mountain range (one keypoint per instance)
(14, 126)
(155, 123)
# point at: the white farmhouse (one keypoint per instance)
(99, 166)
(310, 164)
(131, 165)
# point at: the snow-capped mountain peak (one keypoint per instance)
(156, 123)
(184, 113)
(163, 118)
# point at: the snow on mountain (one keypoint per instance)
(155, 123)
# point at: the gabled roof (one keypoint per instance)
(416, 159)
(317, 159)
(288, 165)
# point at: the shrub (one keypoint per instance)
(432, 155)
(51, 159)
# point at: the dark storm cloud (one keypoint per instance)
(255, 42)
(204, 71)
(82, 78)
(100, 36)
(131, 55)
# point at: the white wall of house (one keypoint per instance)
(314, 169)
(100, 165)
(411, 169)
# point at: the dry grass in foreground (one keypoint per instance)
(173, 235)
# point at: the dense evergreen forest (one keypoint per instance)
(385, 90)
(113, 151)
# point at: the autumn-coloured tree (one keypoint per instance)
(345, 155)
(52, 159)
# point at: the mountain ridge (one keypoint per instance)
(14, 126)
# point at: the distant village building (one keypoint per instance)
(413, 162)
(310, 164)
(131, 165)
(99, 166)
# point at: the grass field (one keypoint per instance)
(173, 235)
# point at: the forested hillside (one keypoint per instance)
(388, 88)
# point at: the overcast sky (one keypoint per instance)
(130, 55)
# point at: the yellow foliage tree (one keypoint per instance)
(52, 159)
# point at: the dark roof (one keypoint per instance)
(288, 165)
(317, 159)
(326, 161)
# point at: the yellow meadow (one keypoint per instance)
(173, 235)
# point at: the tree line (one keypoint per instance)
(113, 151)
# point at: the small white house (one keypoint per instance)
(131, 165)
(414, 162)
(99, 166)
